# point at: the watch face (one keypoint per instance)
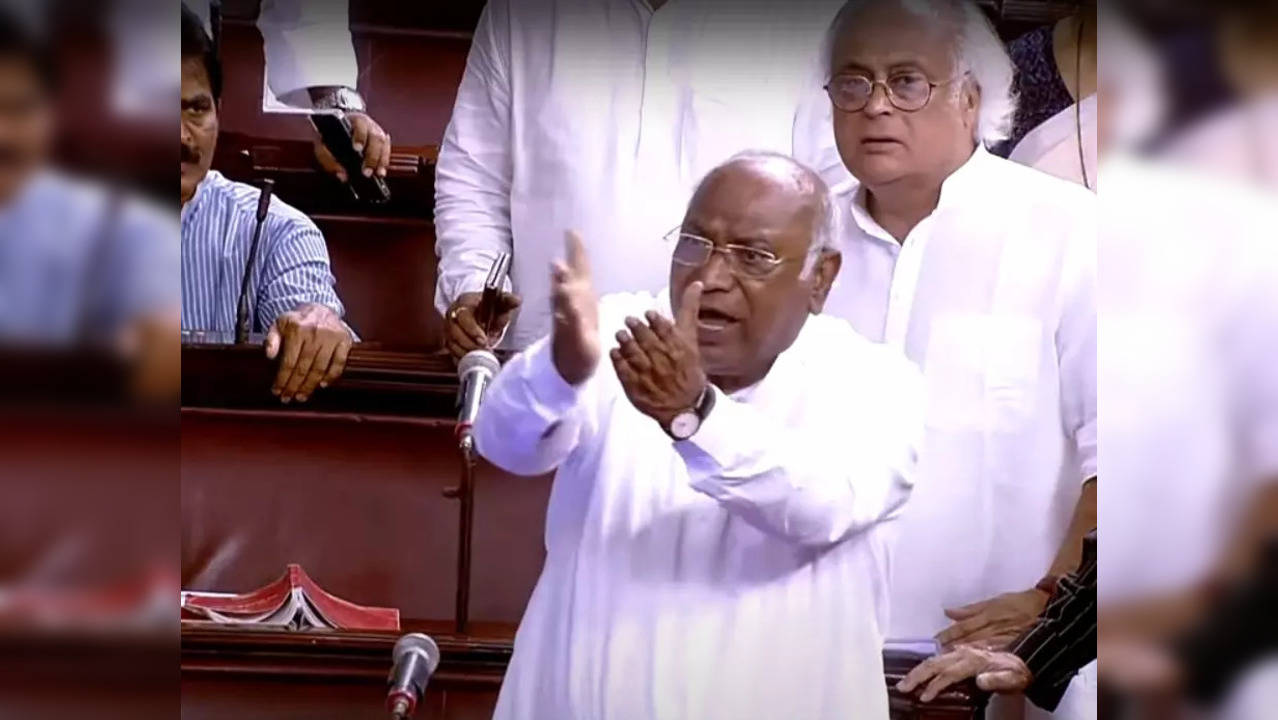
(684, 425)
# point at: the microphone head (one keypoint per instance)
(476, 359)
(417, 643)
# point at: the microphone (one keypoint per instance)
(242, 308)
(416, 657)
(475, 372)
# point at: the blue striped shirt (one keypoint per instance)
(80, 261)
(291, 268)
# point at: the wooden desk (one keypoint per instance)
(255, 673)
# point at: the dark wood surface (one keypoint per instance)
(297, 671)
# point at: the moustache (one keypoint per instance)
(189, 155)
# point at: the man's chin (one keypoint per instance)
(878, 168)
(719, 360)
(190, 180)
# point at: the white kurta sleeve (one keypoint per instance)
(812, 485)
(474, 171)
(531, 418)
(1076, 346)
(307, 44)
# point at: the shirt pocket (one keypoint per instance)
(982, 371)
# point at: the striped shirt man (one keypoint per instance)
(1064, 638)
(291, 267)
(80, 261)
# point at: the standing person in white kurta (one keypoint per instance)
(742, 571)
(602, 115)
(983, 272)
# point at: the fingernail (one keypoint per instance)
(381, 172)
(324, 384)
(301, 398)
(285, 399)
(275, 391)
(359, 147)
(368, 172)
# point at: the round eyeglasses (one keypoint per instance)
(907, 91)
(744, 261)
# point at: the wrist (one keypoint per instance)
(336, 97)
(685, 423)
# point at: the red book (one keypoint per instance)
(294, 601)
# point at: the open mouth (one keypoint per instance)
(714, 320)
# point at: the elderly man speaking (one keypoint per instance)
(984, 272)
(716, 531)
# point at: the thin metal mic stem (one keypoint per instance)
(242, 307)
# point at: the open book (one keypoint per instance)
(294, 602)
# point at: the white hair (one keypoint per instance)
(978, 53)
(806, 182)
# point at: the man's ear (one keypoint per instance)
(826, 270)
(971, 100)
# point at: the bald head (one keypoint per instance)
(785, 176)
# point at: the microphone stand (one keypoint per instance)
(465, 493)
(242, 307)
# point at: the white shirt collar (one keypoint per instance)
(962, 186)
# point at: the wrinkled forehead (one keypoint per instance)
(752, 202)
(879, 35)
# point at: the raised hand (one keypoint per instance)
(659, 363)
(575, 342)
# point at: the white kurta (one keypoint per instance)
(602, 115)
(740, 574)
(993, 295)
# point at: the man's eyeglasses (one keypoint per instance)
(694, 251)
(907, 91)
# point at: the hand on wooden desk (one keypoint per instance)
(312, 343)
(994, 672)
(368, 138)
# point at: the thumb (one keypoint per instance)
(689, 307)
(575, 253)
(962, 613)
(273, 342)
(1000, 681)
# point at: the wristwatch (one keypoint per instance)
(336, 97)
(687, 423)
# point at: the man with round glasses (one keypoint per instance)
(983, 272)
(725, 479)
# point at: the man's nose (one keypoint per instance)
(716, 273)
(879, 102)
(187, 137)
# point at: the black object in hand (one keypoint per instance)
(335, 132)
